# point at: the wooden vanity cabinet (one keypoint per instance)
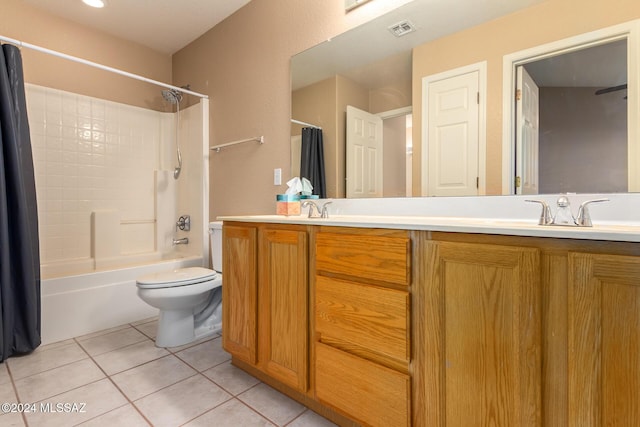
(283, 325)
(265, 300)
(387, 327)
(481, 324)
(362, 324)
(603, 340)
(526, 331)
(240, 292)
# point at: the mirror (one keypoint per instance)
(371, 69)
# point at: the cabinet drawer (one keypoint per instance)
(369, 393)
(369, 318)
(365, 256)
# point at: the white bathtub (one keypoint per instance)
(80, 304)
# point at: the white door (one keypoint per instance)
(364, 154)
(453, 135)
(527, 133)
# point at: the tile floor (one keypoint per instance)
(118, 377)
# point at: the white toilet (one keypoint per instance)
(189, 299)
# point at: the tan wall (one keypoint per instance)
(21, 21)
(544, 23)
(244, 65)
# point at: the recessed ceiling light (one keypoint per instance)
(94, 3)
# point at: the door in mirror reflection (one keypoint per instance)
(364, 155)
(571, 122)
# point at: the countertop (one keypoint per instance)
(610, 231)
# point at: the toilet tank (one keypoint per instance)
(215, 233)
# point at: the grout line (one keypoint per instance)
(117, 388)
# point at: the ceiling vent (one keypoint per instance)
(402, 28)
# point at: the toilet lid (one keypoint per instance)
(179, 277)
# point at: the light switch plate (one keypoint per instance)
(277, 176)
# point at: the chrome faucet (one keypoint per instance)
(563, 214)
(312, 207)
(325, 212)
(183, 241)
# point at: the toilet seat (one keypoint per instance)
(179, 277)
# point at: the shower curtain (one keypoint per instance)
(19, 248)
(312, 160)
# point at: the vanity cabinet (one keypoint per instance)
(481, 327)
(603, 340)
(283, 327)
(265, 300)
(240, 292)
(386, 327)
(362, 324)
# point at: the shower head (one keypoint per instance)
(172, 96)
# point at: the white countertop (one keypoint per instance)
(615, 220)
(601, 231)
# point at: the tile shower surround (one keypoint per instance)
(91, 154)
(126, 381)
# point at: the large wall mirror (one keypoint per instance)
(400, 99)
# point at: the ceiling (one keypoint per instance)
(163, 25)
(350, 54)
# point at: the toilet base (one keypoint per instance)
(175, 328)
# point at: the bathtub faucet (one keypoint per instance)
(183, 241)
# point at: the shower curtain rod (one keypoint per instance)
(217, 148)
(305, 124)
(100, 66)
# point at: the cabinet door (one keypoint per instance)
(283, 314)
(239, 292)
(482, 327)
(604, 340)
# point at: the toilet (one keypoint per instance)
(189, 299)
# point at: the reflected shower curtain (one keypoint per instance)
(312, 160)
(19, 247)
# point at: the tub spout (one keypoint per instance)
(183, 241)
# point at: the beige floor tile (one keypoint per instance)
(11, 420)
(230, 414)
(153, 376)
(112, 341)
(149, 329)
(206, 355)
(310, 419)
(41, 361)
(53, 345)
(147, 320)
(59, 380)
(7, 395)
(272, 404)
(102, 332)
(191, 344)
(124, 416)
(128, 357)
(4, 374)
(79, 405)
(230, 378)
(181, 402)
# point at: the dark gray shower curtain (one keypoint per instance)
(19, 247)
(312, 160)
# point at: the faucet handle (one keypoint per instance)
(325, 212)
(584, 218)
(545, 215)
(312, 206)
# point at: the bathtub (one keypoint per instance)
(79, 304)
